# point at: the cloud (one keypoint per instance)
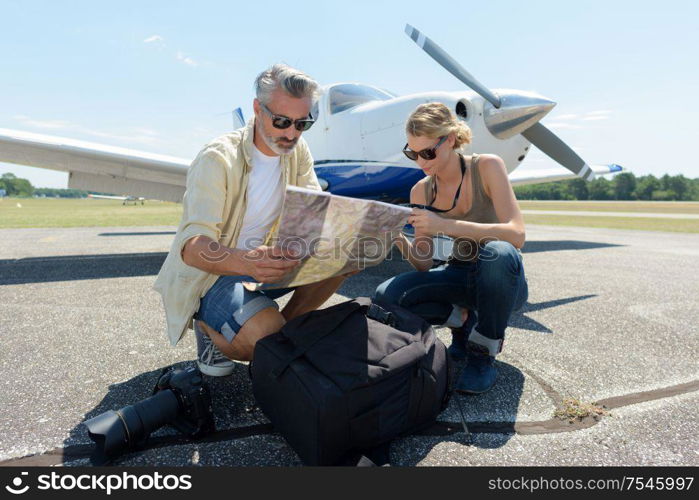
(602, 114)
(562, 126)
(156, 41)
(187, 60)
(159, 42)
(565, 117)
(575, 121)
(154, 38)
(133, 135)
(46, 124)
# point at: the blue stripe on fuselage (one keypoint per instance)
(369, 180)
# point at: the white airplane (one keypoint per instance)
(125, 200)
(356, 142)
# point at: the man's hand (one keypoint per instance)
(269, 264)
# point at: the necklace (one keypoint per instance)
(456, 196)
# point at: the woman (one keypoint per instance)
(468, 198)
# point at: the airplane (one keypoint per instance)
(356, 142)
(125, 199)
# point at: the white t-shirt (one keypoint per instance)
(265, 198)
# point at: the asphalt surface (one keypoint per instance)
(612, 318)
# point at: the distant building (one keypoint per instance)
(3, 193)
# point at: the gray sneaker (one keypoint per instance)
(210, 359)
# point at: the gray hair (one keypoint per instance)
(292, 81)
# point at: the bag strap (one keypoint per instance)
(469, 437)
(378, 313)
(451, 393)
(376, 457)
(312, 335)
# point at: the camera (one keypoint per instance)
(180, 398)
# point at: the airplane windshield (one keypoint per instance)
(348, 95)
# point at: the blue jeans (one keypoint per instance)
(228, 304)
(493, 286)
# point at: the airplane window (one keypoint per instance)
(348, 95)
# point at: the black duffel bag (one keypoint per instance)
(345, 380)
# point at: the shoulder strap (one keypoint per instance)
(475, 174)
(476, 183)
(429, 190)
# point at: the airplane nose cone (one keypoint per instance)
(518, 111)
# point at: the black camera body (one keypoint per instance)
(195, 418)
(180, 398)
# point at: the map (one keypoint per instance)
(334, 235)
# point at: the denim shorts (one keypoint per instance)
(228, 304)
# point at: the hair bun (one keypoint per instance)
(434, 119)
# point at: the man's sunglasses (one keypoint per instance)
(427, 154)
(282, 122)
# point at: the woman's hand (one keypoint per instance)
(426, 222)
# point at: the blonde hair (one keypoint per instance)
(433, 120)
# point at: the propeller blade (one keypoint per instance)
(549, 143)
(453, 67)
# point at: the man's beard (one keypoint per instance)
(280, 145)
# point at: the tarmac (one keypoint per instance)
(611, 322)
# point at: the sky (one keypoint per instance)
(163, 76)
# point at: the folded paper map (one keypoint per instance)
(334, 235)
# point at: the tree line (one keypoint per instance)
(22, 188)
(623, 186)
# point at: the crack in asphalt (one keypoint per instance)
(554, 425)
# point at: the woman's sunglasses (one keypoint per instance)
(282, 122)
(427, 154)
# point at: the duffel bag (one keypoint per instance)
(350, 378)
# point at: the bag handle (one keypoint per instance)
(313, 335)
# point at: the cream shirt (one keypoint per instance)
(214, 205)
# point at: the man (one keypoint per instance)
(232, 205)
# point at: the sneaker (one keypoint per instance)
(210, 359)
(479, 374)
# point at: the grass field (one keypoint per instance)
(635, 223)
(664, 207)
(81, 212)
(56, 212)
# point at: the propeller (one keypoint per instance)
(453, 67)
(526, 110)
(555, 148)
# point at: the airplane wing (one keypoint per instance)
(521, 177)
(106, 197)
(97, 167)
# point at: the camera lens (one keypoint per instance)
(116, 431)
